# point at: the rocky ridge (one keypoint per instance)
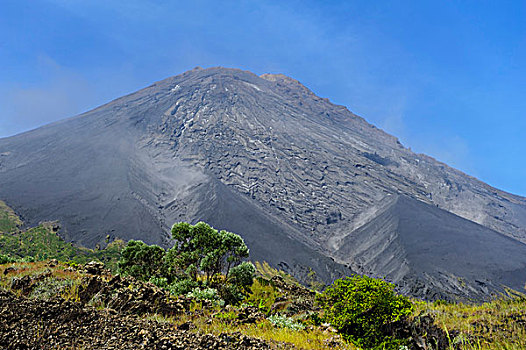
(37, 324)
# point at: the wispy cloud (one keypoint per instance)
(62, 94)
(452, 150)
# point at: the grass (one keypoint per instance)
(262, 295)
(9, 221)
(499, 324)
(263, 269)
(313, 338)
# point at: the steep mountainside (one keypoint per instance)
(299, 177)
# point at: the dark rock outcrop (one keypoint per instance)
(57, 324)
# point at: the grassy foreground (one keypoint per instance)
(499, 324)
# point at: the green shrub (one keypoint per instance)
(203, 294)
(182, 286)
(262, 295)
(285, 322)
(206, 294)
(141, 261)
(242, 275)
(160, 282)
(231, 294)
(360, 306)
(239, 280)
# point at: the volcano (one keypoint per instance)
(309, 185)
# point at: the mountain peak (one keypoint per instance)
(284, 80)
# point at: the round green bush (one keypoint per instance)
(360, 306)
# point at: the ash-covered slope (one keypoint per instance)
(434, 254)
(261, 156)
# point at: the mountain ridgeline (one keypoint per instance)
(309, 185)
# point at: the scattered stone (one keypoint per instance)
(10, 269)
(22, 283)
(422, 332)
(56, 324)
(250, 314)
(94, 268)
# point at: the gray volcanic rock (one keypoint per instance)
(297, 176)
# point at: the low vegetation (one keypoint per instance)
(360, 306)
(43, 242)
(498, 324)
(9, 221)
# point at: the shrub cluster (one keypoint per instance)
(286, 322)
(7, 259)
(202, 258)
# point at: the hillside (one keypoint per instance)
(299, 177)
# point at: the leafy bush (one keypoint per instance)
(182, 286)
(206, 294)
(360, 306)
(141, 261)
(203, 294)
(161, 282)
(286, 322)
(238, 282)
(242, 275)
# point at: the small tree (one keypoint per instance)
(234, 250)
(202, 248)
(238, 283)
(360, 306)
(141, 261)
(199, 249)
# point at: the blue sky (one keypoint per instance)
(446, 77)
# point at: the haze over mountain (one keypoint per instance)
(307, 183)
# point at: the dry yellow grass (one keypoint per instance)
(312, 339)
(499, 324)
